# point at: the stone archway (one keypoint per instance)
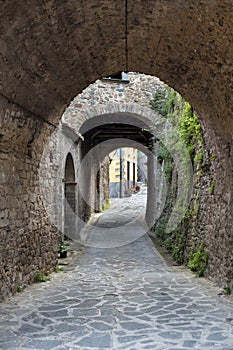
(189, 46)
(52, 51)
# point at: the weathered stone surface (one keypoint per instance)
(215, 209)
(28, 241)
(65, 46)
(52, 51)
(106, 299)
(20, 188)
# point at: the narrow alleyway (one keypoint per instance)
(125, 297)
(122, 223)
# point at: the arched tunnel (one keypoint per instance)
(51, 51)
(101, 140)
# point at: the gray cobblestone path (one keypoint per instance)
(121, 298)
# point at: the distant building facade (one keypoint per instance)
(123, 172)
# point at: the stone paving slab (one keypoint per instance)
(124, 298)
(119, 299)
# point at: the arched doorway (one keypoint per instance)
(70, 196)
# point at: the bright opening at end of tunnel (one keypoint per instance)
(127, 188)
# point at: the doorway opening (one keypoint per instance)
(70, 196)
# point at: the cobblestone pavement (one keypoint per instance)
(120, 298)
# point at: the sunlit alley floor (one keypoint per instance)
(119, 296)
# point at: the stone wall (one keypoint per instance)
(28, 240)
(102, 96)
(103, 191)
(211, 206)
(33, 217)
(187, 44)
(32, 188)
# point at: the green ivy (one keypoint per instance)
(198, 260)
(159, 102)
(106, 205)
(170, 104)
(164, 155)
(198, 157)
(20, 289)
(160, 228)
(227, 290)
(58, 269)
(213, 156)
(178, 247)
(212, 187)
(40, 277)
(180, 113)
(200, 173)
(173, 242)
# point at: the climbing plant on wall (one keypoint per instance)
(180, 114)
(171, 105)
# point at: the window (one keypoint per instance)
(134, 174)
(128, 171)
(119, 77)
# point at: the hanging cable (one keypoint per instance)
(126, 36)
